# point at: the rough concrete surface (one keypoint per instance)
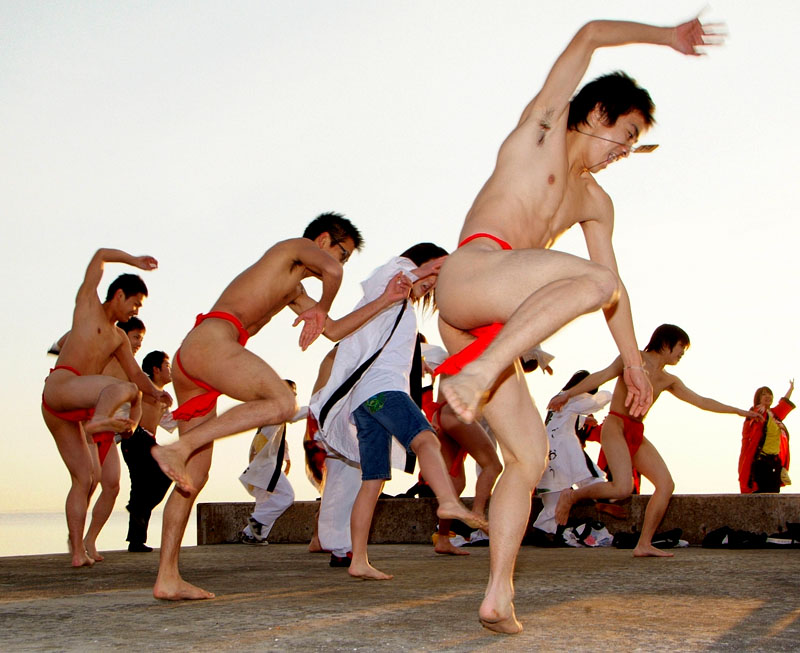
(280, 597)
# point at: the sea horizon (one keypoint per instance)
(45, 532)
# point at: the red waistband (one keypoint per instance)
(481, 234)
(222, 315)
(65, 367)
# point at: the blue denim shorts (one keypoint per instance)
(380, 417)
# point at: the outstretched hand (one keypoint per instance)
(145, 263)
(751, 414)
(640, 391)
(693, 34)
(314, 324)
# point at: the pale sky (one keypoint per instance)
(203, 132)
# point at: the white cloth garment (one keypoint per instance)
(567, 462)
(266, 443)
(390, 371)
(342, 482)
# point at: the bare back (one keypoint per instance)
(267, 286)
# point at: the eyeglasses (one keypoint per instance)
(640, 149)
(345, 253)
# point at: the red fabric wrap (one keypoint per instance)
(104, 442)
(483, 338)
(204, 403)
(752, 432)
(75, 415)
(633, 431)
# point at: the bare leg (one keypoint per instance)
(533, 292)
(426, 447)
(236, 372)
(253, 414)
(360, 522)
(619, 462)
(109, 484)
(477, 443)
(108, 402)
(314, 546)
(74, 452)
(169, 583)
(648, 461)
(523, 442)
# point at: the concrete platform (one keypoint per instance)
(400, 521)
(280, 597)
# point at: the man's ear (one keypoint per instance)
(324, 240)
(598, 116)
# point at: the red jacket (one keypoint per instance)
(752, 434)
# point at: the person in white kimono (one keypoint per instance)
(265, 481)
(366, 422)
(567, 462)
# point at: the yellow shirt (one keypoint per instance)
(772, 441)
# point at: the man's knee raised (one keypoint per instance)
(607, 285)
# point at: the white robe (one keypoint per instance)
(567, 463)
(390, 371)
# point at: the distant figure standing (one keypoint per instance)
(764, 459)
(149, 484)
(265, 480)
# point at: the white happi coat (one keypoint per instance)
(567, 464)
(390, 371)
(262, 468)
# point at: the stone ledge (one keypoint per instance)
(412, 521)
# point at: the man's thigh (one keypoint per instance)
(68, 391)
(650, 463)
(478, 286)
(232, 370)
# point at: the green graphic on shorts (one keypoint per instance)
(374, 404)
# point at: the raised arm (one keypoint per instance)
(94, 273)
(594, 380)
(679, 389)
(571, 65)
(788, 394)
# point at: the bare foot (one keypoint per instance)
(505, 625)
(173, 464)
(180, 590)
(82, 559)
(612, 509)
(109, 424)
(464, 393)
(367, 572)
(564, 505)
(458, 510)
(649, 551)
(92, 552)
(445, 547)
(314, 546)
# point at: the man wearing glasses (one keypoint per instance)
(503, 291)
(212, 361)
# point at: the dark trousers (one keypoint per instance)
(767, 473)
(148, 483)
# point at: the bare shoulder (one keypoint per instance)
(663, 380)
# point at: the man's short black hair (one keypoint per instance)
(153, 360)
(617, 94)
(129, 284)
(133, 324)
(667, 336)
(337, 226)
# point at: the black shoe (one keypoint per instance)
(139, 547)
(336, 561)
